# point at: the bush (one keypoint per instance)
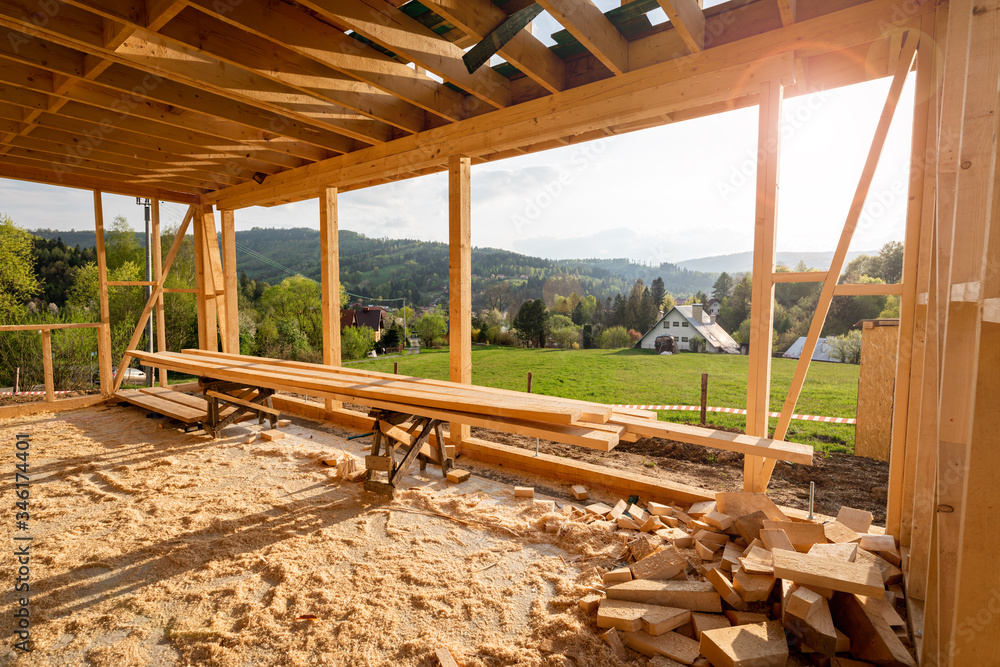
(846, 348)
(614, 337)
(431, 328)
(696, 343)
(634, 336)
(356, 342)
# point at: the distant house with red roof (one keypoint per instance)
(373, 317)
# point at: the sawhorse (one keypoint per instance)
(387, 435)
(220, 395)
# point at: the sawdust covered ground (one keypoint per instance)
(155, 547)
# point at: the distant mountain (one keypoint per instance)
(743, 261)
(418, 270)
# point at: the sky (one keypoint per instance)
(667, 194)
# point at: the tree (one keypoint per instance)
(890, 262)
(613, 338)
(17, 278)
(531, 321)
(356, 342)
(121, 245)
(658, 292)
(296, 298)
(723, 285)
(668, 302)
(696, 343)
(846, 348)
(431, 328)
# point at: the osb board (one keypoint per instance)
(873, 432)
(156, 547)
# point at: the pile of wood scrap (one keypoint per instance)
(582, 423)
(346, 465)
(735, 581)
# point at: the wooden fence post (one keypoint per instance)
(50, 394)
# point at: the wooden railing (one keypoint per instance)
(103, 355)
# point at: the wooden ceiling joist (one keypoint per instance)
(479, 18)
(689, 21)
(593, 29)
(303, 33)
(384, 24)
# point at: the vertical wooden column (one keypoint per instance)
(199, 277)
(460, 278)
(50, 394)
(762, 302)
(208, 332)
(232, 313)
(104, 333)
(969, 584)
(156, 254)
(912, 255)
(329, 250)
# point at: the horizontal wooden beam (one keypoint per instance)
(58, 405)
(70, 179)
(867, 289)
(798, 277)
(660, 90)
(50, 327)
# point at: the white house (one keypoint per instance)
(687, 322)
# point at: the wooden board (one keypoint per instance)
(693, 595)
(830, 573)
(162, 406)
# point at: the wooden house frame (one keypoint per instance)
(222, 105)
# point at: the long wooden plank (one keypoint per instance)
(157, 258)
(688, 19)
(162, 406)
(169, 394)
(593, 29)
(733, 442)
(19, 410)
(50, 327)
(590, 412)
(571, 433)
(240, 401)
(853, 216)
(322, 378)
(104, 335)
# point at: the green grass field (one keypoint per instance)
(641, 377)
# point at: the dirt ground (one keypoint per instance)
(840, 479)
(155, 547)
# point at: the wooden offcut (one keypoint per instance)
(754, 645)
(692, 595)
(828, 573)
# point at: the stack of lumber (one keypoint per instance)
(169, 403)
(582, 423)
(735, 581)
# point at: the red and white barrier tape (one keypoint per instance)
(29, 393)
(739, 411)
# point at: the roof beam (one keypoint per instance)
(688, 19)
(308, 36)
(382, 23)
(271, 61)
(70, 179)
(657, 90)
(524, 51)
(593, 29)
(134, 87)
(76, 29)
(787, 10)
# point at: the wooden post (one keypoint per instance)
(762, 300)
(529, 382)
(50, 394)
(156, 254)
(460, 279)
(215, 290)
(395, 368)
(967, 442)
(232, 314)
(704, 397)
(104, 333)
(17, 379)
(199, 279)
(329, 250)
